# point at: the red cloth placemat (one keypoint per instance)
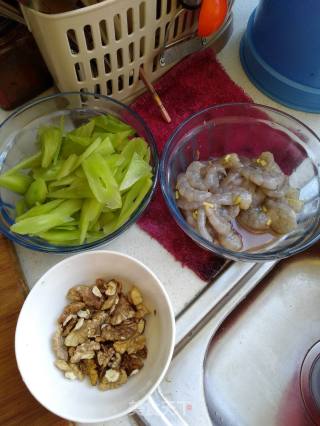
(195, 83)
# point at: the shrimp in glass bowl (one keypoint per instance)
(242, 180)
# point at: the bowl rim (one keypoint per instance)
(188, 230)
(59, 249)
(171, 319)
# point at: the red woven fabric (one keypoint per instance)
(195, 83)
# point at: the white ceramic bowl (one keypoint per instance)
(75, 400)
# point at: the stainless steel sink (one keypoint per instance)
(253, 364)
(241, 347)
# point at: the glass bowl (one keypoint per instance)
(18, 141)
(248, 130)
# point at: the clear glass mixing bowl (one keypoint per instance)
(249, 129)
(18, 140)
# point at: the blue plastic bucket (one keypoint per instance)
(280, 51)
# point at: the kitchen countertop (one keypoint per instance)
(181, 284)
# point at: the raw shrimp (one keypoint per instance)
(232, 161)
(190, 219)
(256, 192)
(195, 173)
(232, 241)
(201, 225)
(235, 196)
(280, 192)
(184, 204)
(191, 194)
(219, 223)
(283, 217)
(258, 197)
(266, 159)
(212, 177)
(262, 177)
(233, 178)
(230, 212)
(255, 219)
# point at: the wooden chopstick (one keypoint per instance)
(155, 95)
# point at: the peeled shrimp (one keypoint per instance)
(279, 192)
(264, 172)
(212, 177)
(219, 223)
(264, 178)
(201, 225)
(271, 165)
(255, 219)
(230, 212)
(190, 219)
(233, 178)
(191, 194)
(256, 192)
(232, 241)
(194, 174)
(235, 196)
(283, 217)
(232, 161)
(184, 204)
(258, 197)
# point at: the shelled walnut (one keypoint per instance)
(100, 334)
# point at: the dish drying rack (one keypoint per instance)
(100, 48)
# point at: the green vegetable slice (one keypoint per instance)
(133, 199)
(16, 182)
(37, 224)
(137, 169)
(36, 193)
(85, 130)
(101, 181)
(67, 166)
(50, 141)
(27, 163)
(111, 124)
(79, 188)
(90, 212)
(55, 236)
(39, 210)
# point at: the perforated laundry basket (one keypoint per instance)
(100, 48)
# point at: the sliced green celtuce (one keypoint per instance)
(90, 212)
(82, 185)
(137, 169)
(101, 181)
(39, 210)
(112, 124)
(59, 215)
(16, 182)
(79, 188)
(50, 141)
(58, 236)
(67, 166)
(27, 163)
(133, 199)
(37, 224)
(36, 193)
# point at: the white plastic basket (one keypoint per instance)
(100, 48)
